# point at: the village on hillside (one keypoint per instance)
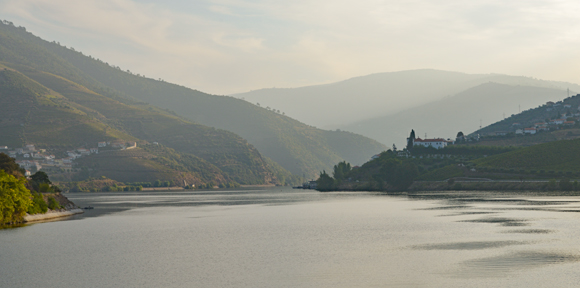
(32, 159)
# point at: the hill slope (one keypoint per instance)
(461, 112)
(56, 114)
(381, 94)
(297, 147)
(561, 155)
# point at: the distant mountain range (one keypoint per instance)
(122, 102)
(487, 103)
(439, 103)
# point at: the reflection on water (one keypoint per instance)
(503, 265)
(499, 220)
(469, 245)
(278, 237)
(530, 231)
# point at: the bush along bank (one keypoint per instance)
(21, 197)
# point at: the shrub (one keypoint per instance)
(38, 204)
(53, 204)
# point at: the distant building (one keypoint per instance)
(26, 155)
(543, 128)
(520, 132)
(501, 133)
(569, 123)
(94, 150)
(436, 143)
(30, 147)
(375, 156)
(102, 144)
(3, 147)
(27, 173)
(557, 121)
(516, 124)
(549, 103)
(531, 131)
(567, 106)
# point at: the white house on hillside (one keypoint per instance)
(435, 143)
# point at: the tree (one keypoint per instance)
(14, 198)
(41, 178)
(397, 173)
(411, 140)
(8, 164)
(341, 170)
(460, 137)
(325, 182)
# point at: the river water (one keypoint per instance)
(280, 237)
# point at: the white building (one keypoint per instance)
(520, 132)
(102, 144)
(435, 143)
(531, 131)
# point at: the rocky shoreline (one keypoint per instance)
(52, 214)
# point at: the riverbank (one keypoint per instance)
(562, 186)
(50, 215)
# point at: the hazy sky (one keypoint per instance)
(228, 46)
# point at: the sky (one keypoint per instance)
(230, 46)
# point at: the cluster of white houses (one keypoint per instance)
(31, 159)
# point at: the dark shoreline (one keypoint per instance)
(541, 187)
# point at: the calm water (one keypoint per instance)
(293, 238)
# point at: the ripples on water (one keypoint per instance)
(279, 237)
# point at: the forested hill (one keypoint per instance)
(297, 147)
(58, 115)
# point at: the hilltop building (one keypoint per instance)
(436, 143)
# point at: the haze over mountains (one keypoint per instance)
(440, 103)
(293, 146)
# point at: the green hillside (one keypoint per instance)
(561, 155)
(58, 115)
(299, 148)
(529, 117)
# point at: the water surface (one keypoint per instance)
(280, 237)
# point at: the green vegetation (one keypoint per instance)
(387, 172)
(38, 206)
(561, 156)
(447, 172)
(14, 198)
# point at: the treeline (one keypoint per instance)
(387, 172)
(19, 195)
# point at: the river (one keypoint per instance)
(279, 237)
